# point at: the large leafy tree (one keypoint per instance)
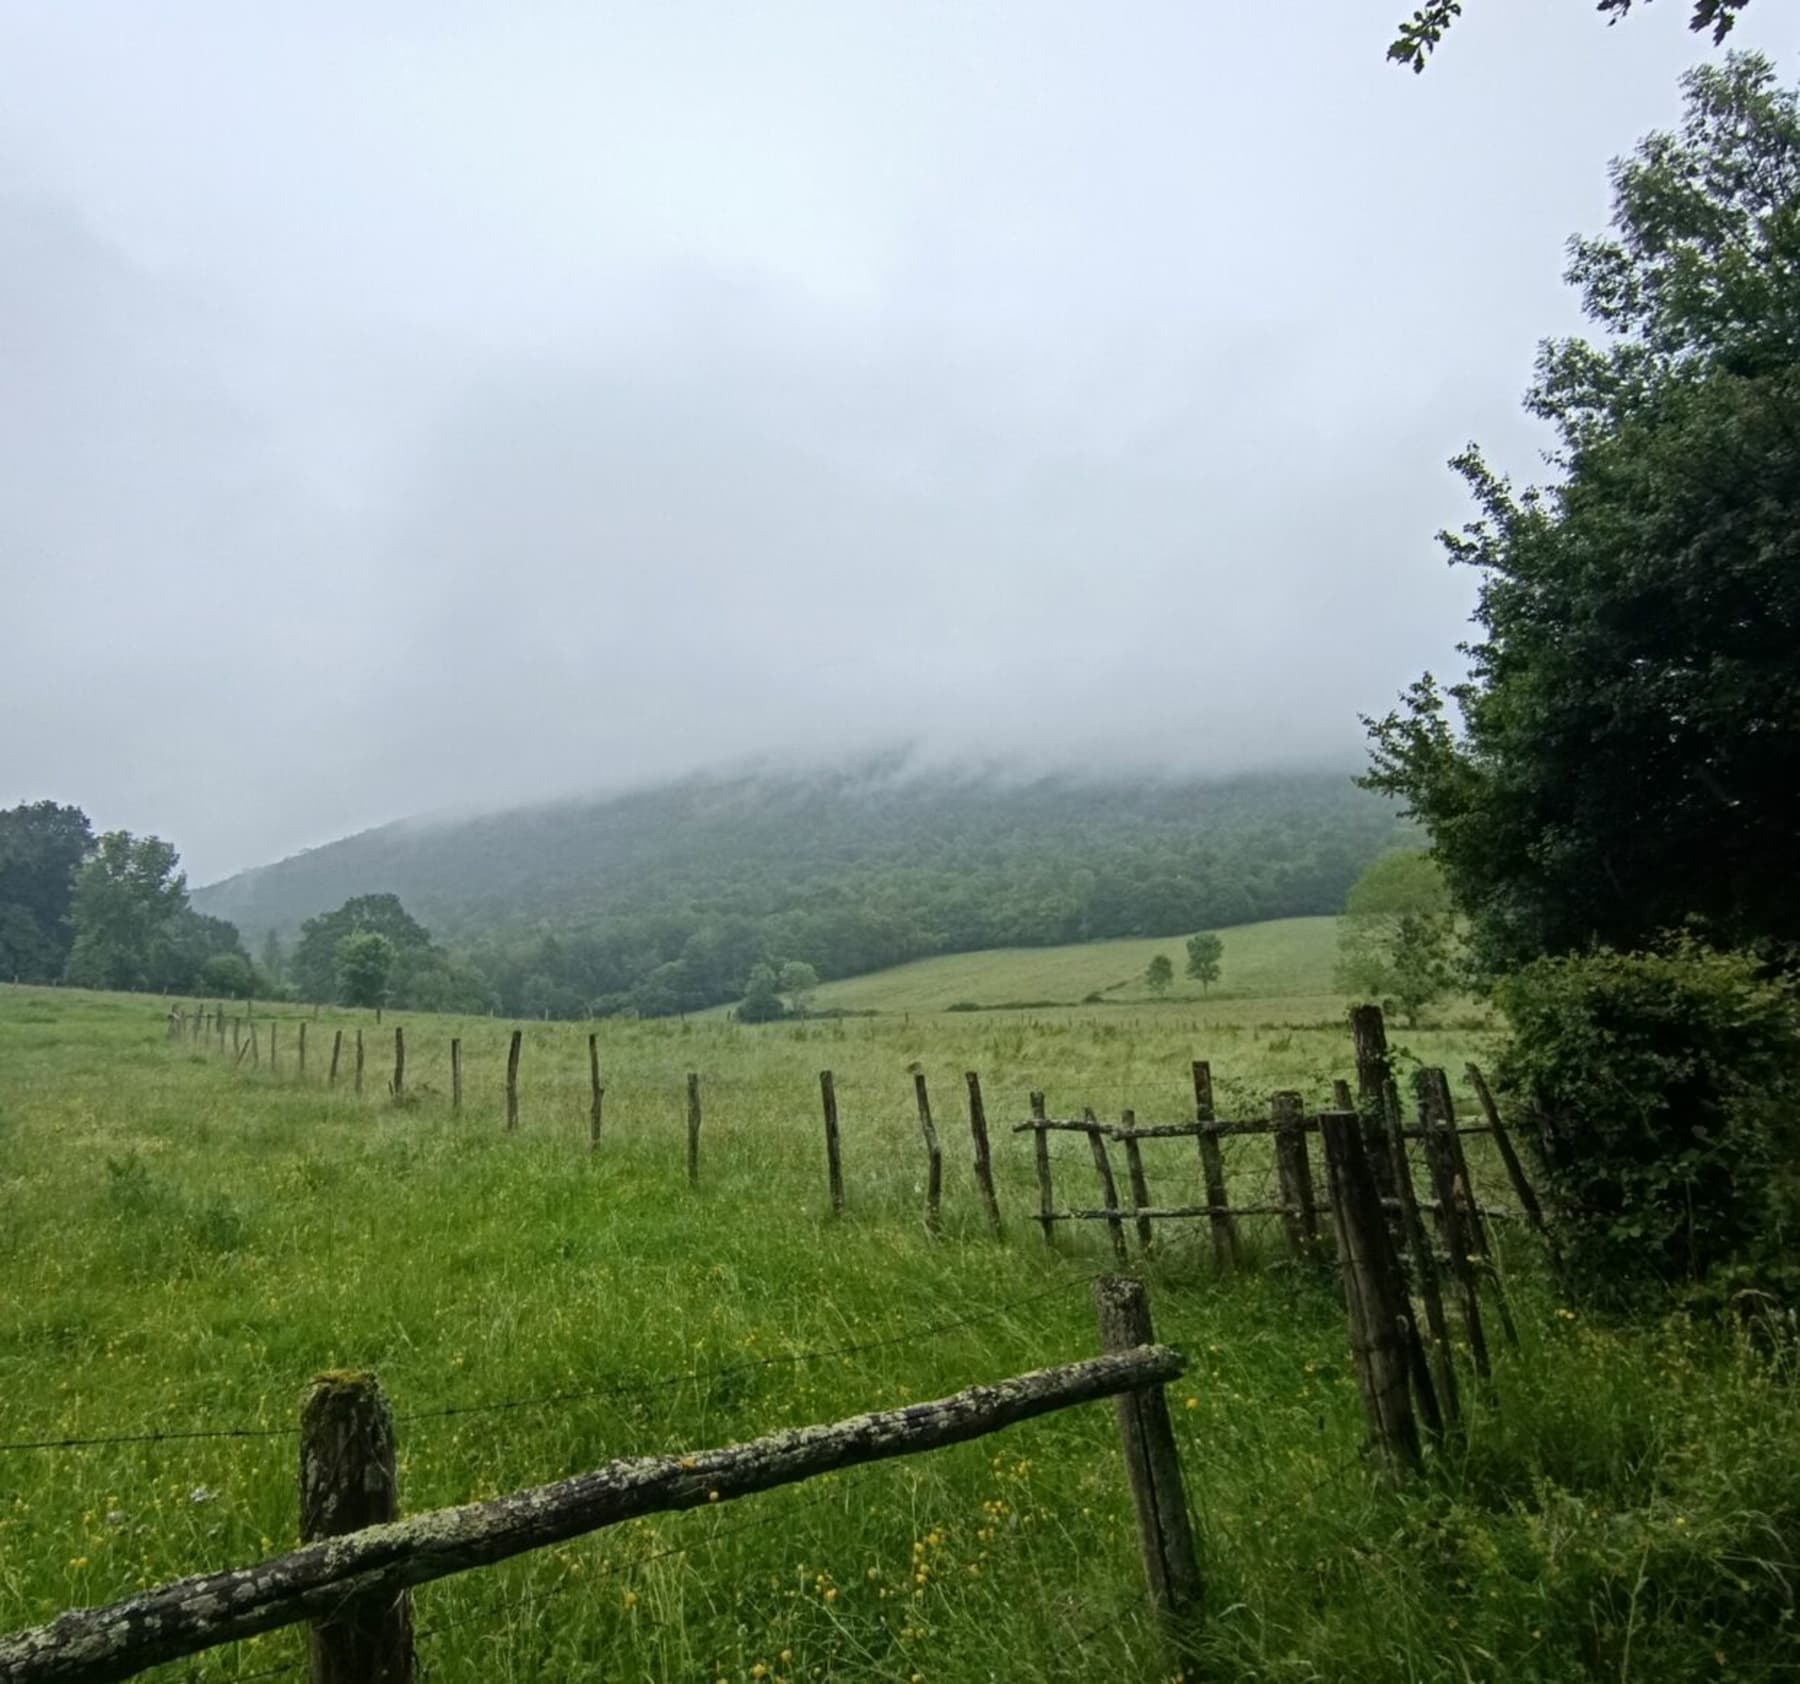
(1420, 35)
(1629, 752)
(314, 965)
(42, 846)
(129, 902)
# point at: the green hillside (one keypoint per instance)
(1287, 958)
(664, 900)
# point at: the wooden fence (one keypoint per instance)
(349, 1581)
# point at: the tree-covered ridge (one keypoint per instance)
(667, 899)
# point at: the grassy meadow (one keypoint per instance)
(183, 1243)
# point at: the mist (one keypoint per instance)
(460, 406)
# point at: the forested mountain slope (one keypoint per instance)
(674, 892)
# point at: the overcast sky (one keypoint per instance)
(430, 404)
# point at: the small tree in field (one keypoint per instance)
(798, 980)
(1206, 953)
(1396, 938)
(365, 961)
(1158, 974)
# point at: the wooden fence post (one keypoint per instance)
(512, 1079)
(1212, 1166)
(1294, 1174)
(984, 1162)
(1515, 1171)
(255, 1048)
(456, 1072)
(1340, 1096)
(1368, 1034)
(1140, 1185)
(302, 1051)
(1425, 1273)
(1374, 1298)
(1152, 1463)
(399, 1063)
(693, 1122)
(834, 1168)
(273, 1065)
(357, 1070)
(347, 1482)
(1040, 1157)
(1109, 1190)
(337, 1049)
(596, 1093)
(1467, 1238)
(934, 1157)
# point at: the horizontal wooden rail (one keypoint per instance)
(90, 1645)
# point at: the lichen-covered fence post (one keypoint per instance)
(1152, 1463)
(934, 1158)
(347, 1483)
(984, 1157)
(834, 1167)
(1212, 1166)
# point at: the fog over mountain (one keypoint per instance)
(446, 406)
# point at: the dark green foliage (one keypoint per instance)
(1630, 759)
(42, 846)
(1665, 1092)
(228, 976)
(1205, 955)
(1158, 974)
(1421, 34)
(364, 965)
(133, 925)
(762, 1002)
(315, 961)
(666, 900)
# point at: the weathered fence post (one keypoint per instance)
(273, 1065)
(399, 1063)
(1109, 1189)
(596, 1093)
(1340, 1096)
(1464, 1231)
(1368, 1034)
(347, 1482)
(512, 1079)
(834, 1169)
(1140, 1185)
(1040, 1157)
(1152, 1463)
(1294, 1174)
(693, 1122)
(255, 1048)
(456, 1072)
(302, 1050)
(1212, 1166)
(1515, 1171)
(357, 1070)
(984, 1161)
(934, 1157)
(1424, 1269)
(337, 1049)
(1373, 1295)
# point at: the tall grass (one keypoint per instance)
(182, 1245)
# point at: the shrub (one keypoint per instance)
(1664, 1089)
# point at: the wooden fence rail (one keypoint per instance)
(350, 1584)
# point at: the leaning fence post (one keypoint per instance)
(1528, 1200)
(1212, 1165)
(596, 1093)
(1140, 1185)
(834, 1168)
(399, 1063)
(984, 1162)
(934, 1157)
(1294, 1174)
(512, 1079)
(337, 1048)
(1465, 1235)
(693, 1122)
(1374, 1298)
(456, 1072)
(1109, 1189)
(1040, 1157)
(347, 1482)
(1152, 1463)
(1425, 1274)
(1368, 1034)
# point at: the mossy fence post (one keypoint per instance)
(693, 1128)
(984, 1157)
(596, 1093)
(1212, 1167)
(834, 1167)
(1152, 1462)
(512, 1079)
(347, 1483)
(934, 1158)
